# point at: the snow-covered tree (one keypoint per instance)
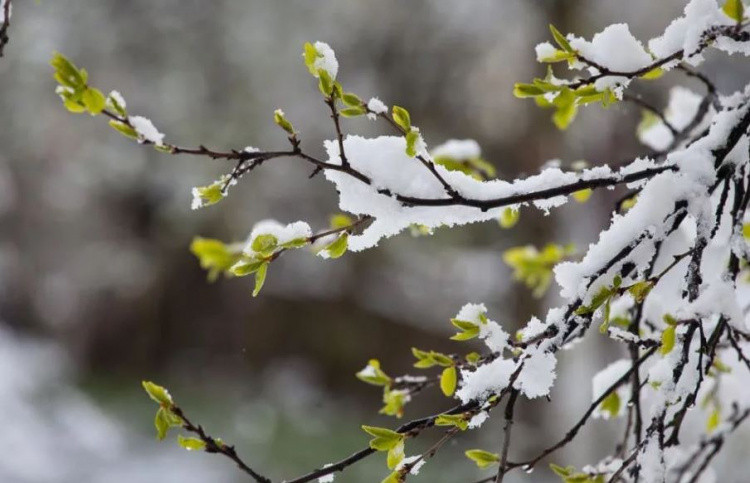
(665, 278)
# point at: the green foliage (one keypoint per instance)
(569, 475)
(714, 419)
(561, 40)
(534, 267)
(158, 393)
(411, 143)
(281, 121)
(469, 330)
(551, 93)
(191, 444)
(373, 374)
(457, 420)
(509, 218)
(734, 9)
(582, 196)
(611, 404)
(477, 168)
(123, 129)
(482, 458)
(165, 418)
(394, 402)
(668, 335)
(402, 118)
(429, 359)
(449, 380)
(653, 74)
(387, 440)
(338, 247)
(215, 256)
(76, 94)
(340, 220)
(260, 278)
(603, 297)
(211, 194)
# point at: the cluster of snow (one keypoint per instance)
(384, 161)
(604, 379)
(458, 149)
(146, 130)
(682, 107)
(326, 59)
(283, 233)
(376, 106)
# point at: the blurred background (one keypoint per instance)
(98, 289)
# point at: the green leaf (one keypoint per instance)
(611, 404)
(383, 439)
(448, 380)
(582, 196)
(123, 129)
(157, 393)
(640, 290)
(339, 246)
(713, 420)
(264, 243)
(245, 267)
(560, 39)
(310, 55)
(527, 90)
(394, 477)
(394, 402)
(395, 455)
(734, 9)
(402, 118)
(325, 83)
(161, 424)
(260, 278)
(457, 420)
(351, 100)
(411, 142)
(214, 255)
(373, 374)
(66, 73)
(211, 194)
(191, 444)
(94, 100)
(566, 111)
(353, 111)
(509, 217)
(668, 339)
(560, 471)
(654, 73)
(280, 120)
(482, 458)
(340, 220)
(746, 230)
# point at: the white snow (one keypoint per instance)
(538, 373)
(384, 160)
(146, 130)
(283, 233)
(614, 48)
(458, 149)
(682, 107)
(604, 379)
(326, 59)
(376, 106)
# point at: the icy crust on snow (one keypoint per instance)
(685, 33)
(655, 202)
(682, 107)
(384, 160)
